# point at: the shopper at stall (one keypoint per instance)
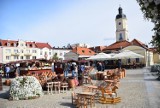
(17, 70)
(73, 70)
(7, 69)
(99, 66)
(66, 69)
(52, 67)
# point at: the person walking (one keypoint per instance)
(66, 69)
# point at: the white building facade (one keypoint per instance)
(60, 52)
(12, 50)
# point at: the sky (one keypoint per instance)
(63, 22)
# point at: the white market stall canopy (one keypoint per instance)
(100, 56)
(124, 54)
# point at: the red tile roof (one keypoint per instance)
(83, 51)
(138, 43)
(28, 44)
(122, 44)
(11, 42)
(153, 50)
(117, 45)
(43, 45)
(98, 48)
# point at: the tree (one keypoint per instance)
(69, 46)
(55, 57)
(151, 11)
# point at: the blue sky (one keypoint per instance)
(60, 22)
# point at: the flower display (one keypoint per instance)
(25, 87)
(151, 10)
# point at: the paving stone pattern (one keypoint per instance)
(139, 89)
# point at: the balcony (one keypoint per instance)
(27, 54)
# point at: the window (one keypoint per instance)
(119, 23)
(27, 57)
(28, 51)
(61, 54)
(137, 60)
(33, 57)
(89, 51)
(8, 57)
(83, 51)
(34, 51)
(22, 57)
(21, 44)
(8, 50)
(21, 51)
(120, 36)
(41, 52)
(45, 53)
(15, 57)
(15, 50)
(50, 53)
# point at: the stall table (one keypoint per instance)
(31, 72)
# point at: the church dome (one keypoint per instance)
(120, 14)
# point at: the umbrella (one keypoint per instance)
(100, 56)
(127, 54)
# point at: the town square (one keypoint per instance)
(79, 54)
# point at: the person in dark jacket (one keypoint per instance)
(99, 66)
(119, 63)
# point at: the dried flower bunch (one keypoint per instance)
(25, 87)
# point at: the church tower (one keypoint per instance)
(121, 26)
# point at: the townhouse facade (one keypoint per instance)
(12, 50)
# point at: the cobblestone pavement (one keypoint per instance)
(139, 89)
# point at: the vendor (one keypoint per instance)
(33, 67)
